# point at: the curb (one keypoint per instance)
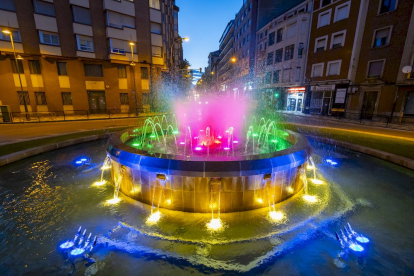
(393, 158)
(16, 156)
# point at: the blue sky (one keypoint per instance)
(203, 21)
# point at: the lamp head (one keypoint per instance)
(131, 43)
(6, 32)
(186, 39)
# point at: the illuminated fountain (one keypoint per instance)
(209, 158)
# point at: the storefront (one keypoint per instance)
(295, 97)
(321, 99)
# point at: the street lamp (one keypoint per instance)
(172, 45)
(233, 59)
(132, 64)
(18, 69)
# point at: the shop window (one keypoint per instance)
(375, 68)
(61, 68)
(324, 18)
(40, 98)
(66, 98)
(34, 66)
(81, 15)
(317, 70)
(93, 70)
(382, 37)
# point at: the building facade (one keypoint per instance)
(281, 52)
(225, 67)
(84, 55)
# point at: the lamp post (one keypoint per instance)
(172, 46)
(18, 69)
(132, 44)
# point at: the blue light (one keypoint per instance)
(362, 239)
(77, 251)
(356, 247)
(84, 160)
(334, 163)
(66, 245)
(328, 160)
(78, 162)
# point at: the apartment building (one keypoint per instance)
(384, 82)
(281, 51)
(88, 55)
(225, 67)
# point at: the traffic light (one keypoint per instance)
(277, 94)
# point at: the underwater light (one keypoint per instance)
(276, 215)
(236, 142)
(105, 167)
(259, 200)
(362, 239)
(290, 190)
(113, 200)
(77, 251)
(334, 163)
(84, 160)
(78, 162)
(182, 143)
(227, 131)
(175, 132)
(168, 201)
(152, 136)
(254, 134)
(274, 141)
(316, 181)
(198, 148)
(219, 137)
(135, 144)
(214, 224)
(217, 142)
(99, 183)
(356, 247)
(328, 160)
(226, 148)
(67, 245)
(310, 198)
(154, 218)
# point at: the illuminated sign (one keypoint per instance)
(296, 90)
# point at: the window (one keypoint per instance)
(409, 104)
(342, 11)
(338, 40)
(269, 58)
(279, 36)
(61, 68)
(289, 51)
(146, 98)
(85, 43)
(291, 30)
(144, 73)
(297, 74)
(320, 44)
(23, 97)
(117, 46)
(300, 50)
(271, 38)
(81, 15)
(156, 28)
(388, 6)
(20, 64)
(276, 75)
(118, 20)
(249, 22)
(286, 75)
(268, 77)
(375, 68)
(155, 4)
(40, 98)
(279, 55)
(381, 37)
(324, 19)
(124, 98)
(248, 37)
(122, 73)
(93, 70)
(43, 7)
(34, 67)
(49, 38)
(67, 98)
(334, 68)
(317, 70)
(156, 51)
(7, 5)
(15, 35)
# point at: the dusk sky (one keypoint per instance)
(203, 21)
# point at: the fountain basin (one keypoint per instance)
(199, 184)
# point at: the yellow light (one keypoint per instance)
(310, 198)
(99, 183)
(19, 57)
(132, 43)
(290, 190)
(233, 59)
(214, 224)
(260, 200)
(276, 215)
(186, 38)
(168, 201)
(316, 181)
(6, 32)
(153, 218)
(113, 201)
(105, 167)
(212, 73)
(310, 167)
